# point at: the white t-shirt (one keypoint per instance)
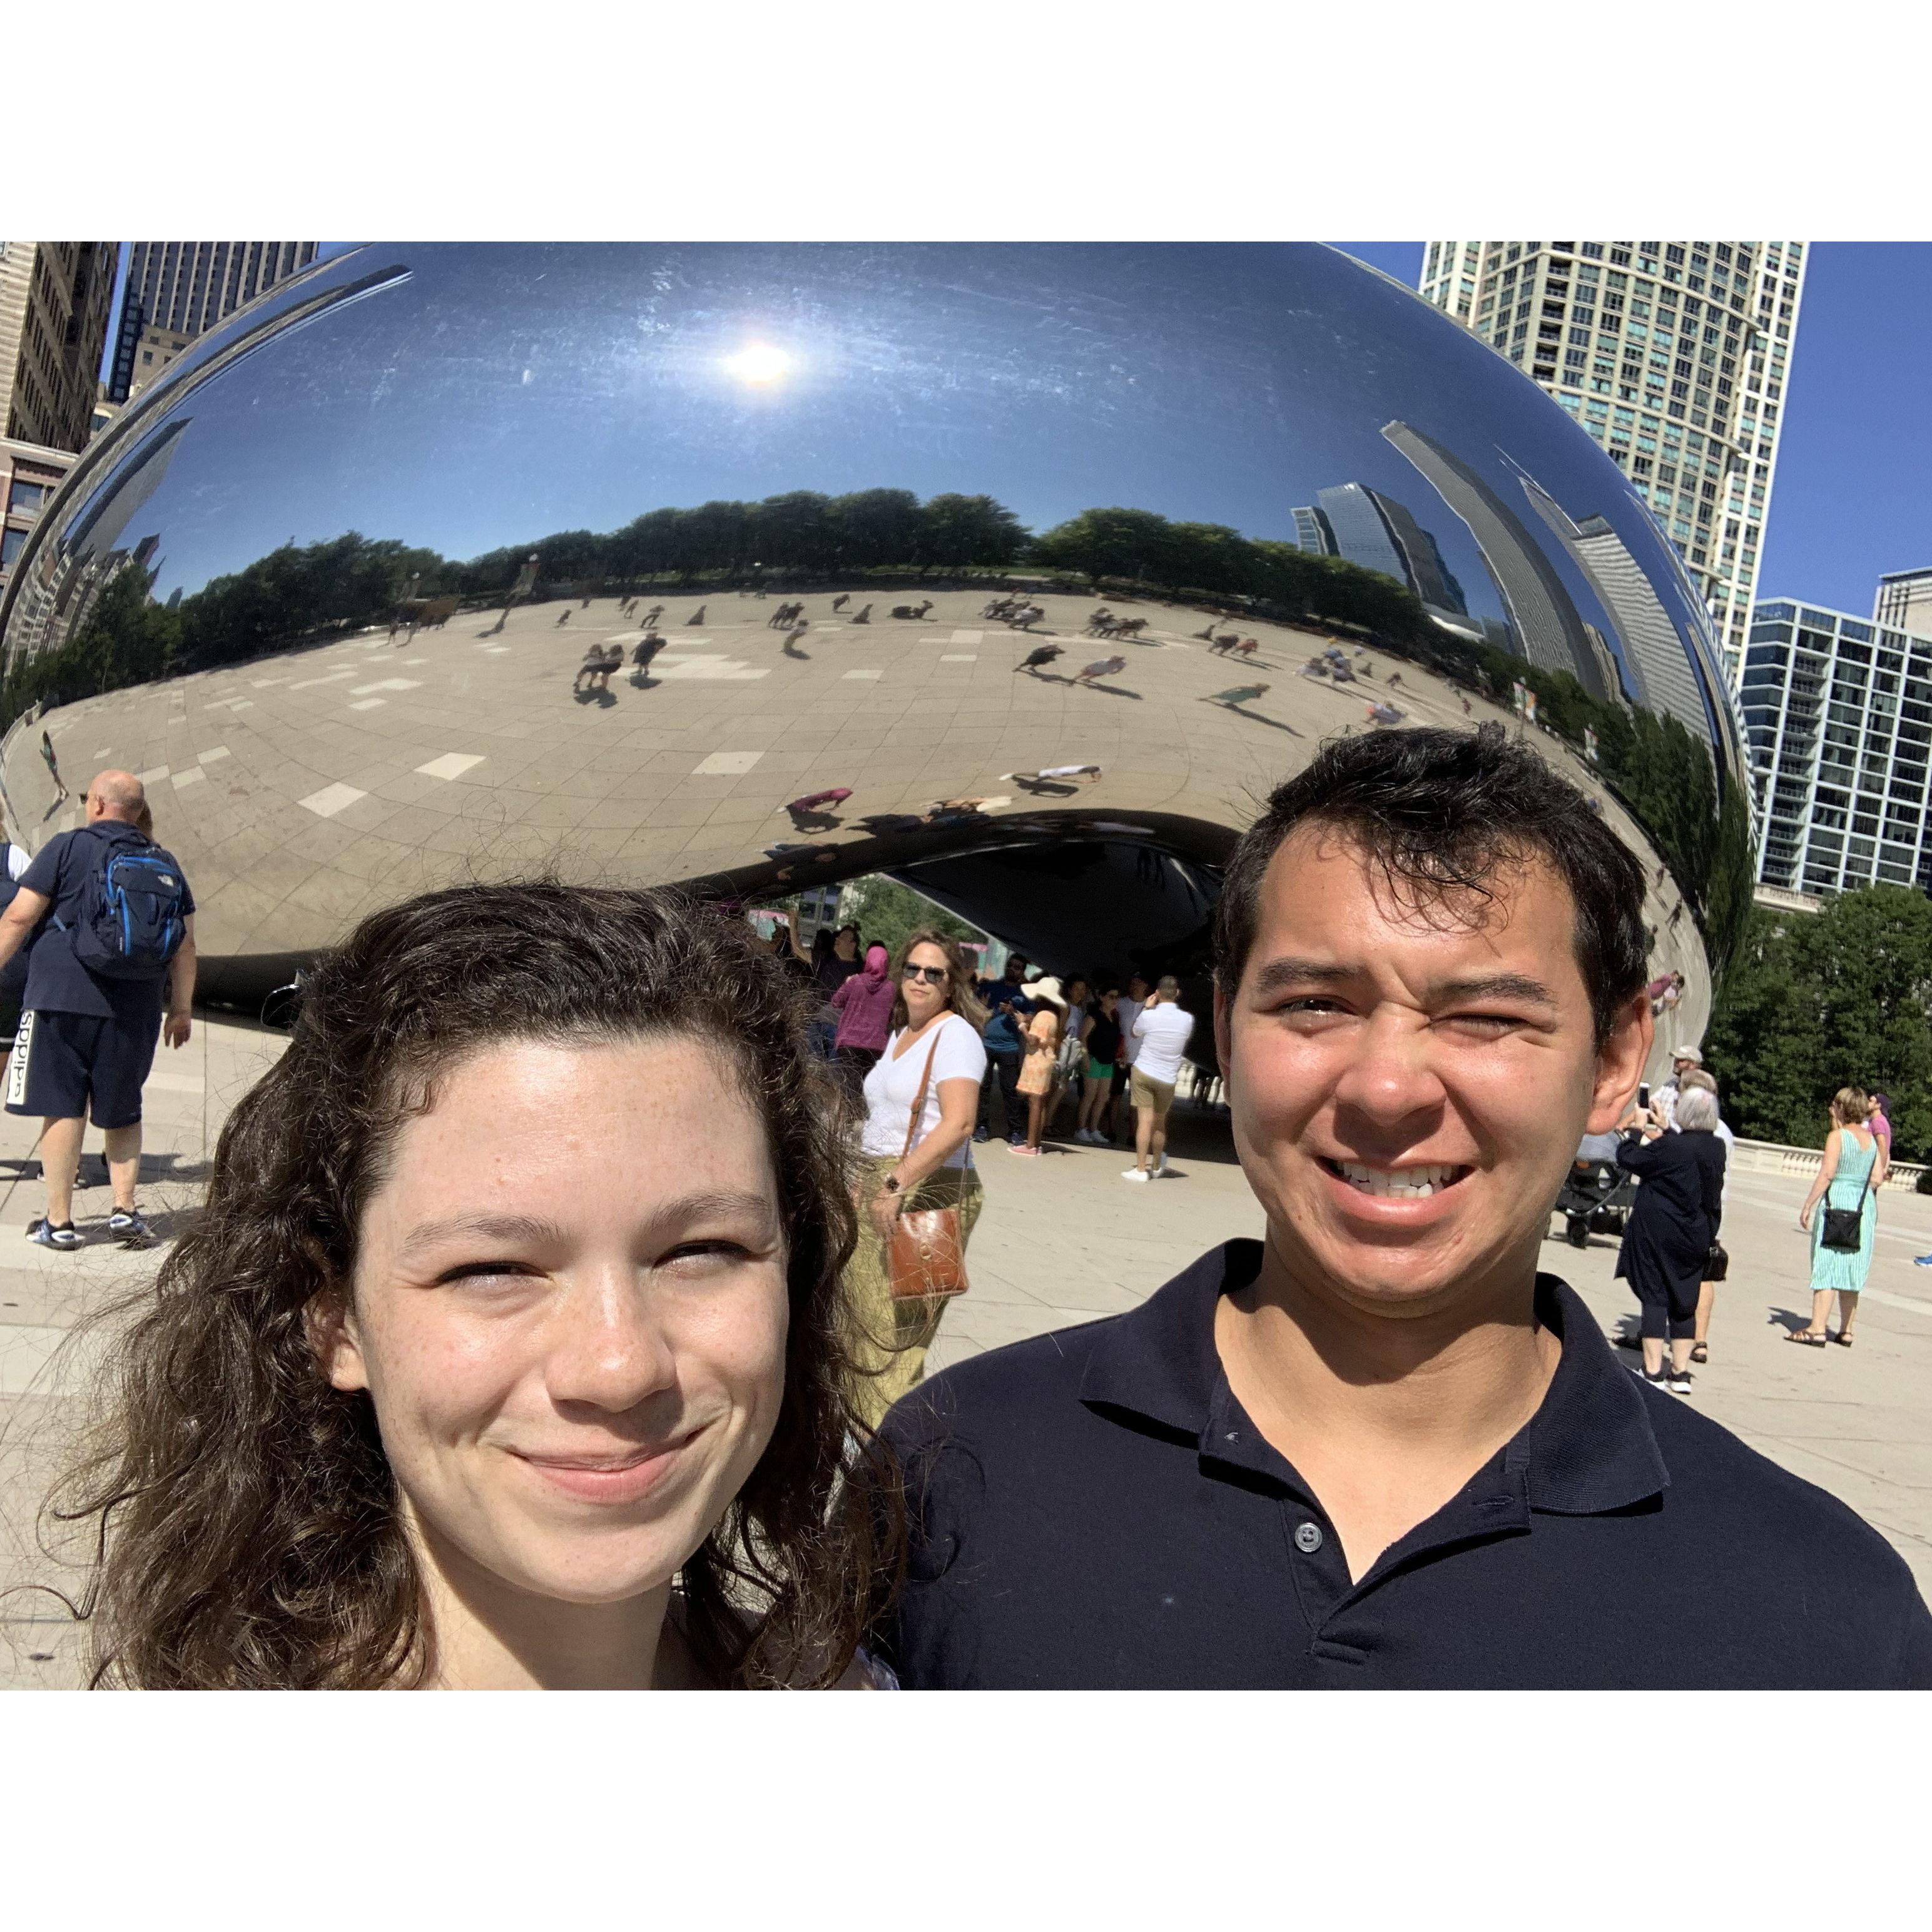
(891, 1087)
(1163, 1033)
(1125, 1012)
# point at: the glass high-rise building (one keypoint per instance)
(177, 290)
(1838, 711)
(1673, 354)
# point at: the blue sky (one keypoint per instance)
(1854, 483)
(1853, 497)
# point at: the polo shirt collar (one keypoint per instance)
(1588, 1449)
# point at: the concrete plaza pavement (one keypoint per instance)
(1063, 1240)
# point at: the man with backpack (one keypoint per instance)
(111, 922)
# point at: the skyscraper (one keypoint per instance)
(1904, 601)
(1674, 356)
(177, 290)
(1546, 627)
(1839, 712)
(54, 299)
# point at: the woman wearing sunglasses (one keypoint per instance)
(931, 1067)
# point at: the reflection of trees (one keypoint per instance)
(802, 531)
(1211, 560)
(1662, 774)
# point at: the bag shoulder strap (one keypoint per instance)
(925, 1080)
(1871, 1169)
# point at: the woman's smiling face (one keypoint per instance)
(569, 1309)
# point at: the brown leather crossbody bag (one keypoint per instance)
(925, 1259)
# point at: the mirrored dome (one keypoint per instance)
(1018, 572)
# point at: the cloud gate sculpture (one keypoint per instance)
(1017, 572)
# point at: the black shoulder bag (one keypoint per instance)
(1844, 1227)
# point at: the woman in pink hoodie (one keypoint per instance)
(864, 1005)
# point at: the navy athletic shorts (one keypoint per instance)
(70, 1067)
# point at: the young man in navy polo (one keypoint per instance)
(1377, 1448)
(87, 1042)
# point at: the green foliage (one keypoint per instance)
(886, 911)
(801, 531)
(1139, 546)
(1813, 1002)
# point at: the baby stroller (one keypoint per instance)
(1595, 1198)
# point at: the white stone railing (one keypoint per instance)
(1768, 1157)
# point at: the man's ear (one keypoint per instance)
(1620, 1064)
(330, 1321)
(1222, 1031)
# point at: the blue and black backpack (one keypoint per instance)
(132, 920)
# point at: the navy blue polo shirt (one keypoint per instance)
(57, 982)
(1093, 1510)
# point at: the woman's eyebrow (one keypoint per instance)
(525, 1228)
(535, 1231)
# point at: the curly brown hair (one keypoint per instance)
(246, 1531)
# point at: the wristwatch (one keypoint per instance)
(891, 1184)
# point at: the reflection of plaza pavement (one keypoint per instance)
(301, 791)
(1063, 1240)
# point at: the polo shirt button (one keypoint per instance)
(1308, 1538)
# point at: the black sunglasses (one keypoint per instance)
(935, 975)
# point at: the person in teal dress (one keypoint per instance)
(1849, 1179)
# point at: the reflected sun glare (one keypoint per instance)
(760, 363)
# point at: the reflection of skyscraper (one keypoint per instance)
(177, 290)
(1428, 573)
(1312, 532)
(1546, 626)
(1362, 535)
(1379, 533)
(1673, 356)
(1659, 667)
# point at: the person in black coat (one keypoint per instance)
(1675, 1221)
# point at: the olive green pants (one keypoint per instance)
(889, 1347)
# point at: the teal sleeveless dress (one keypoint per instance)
(1840, 1270)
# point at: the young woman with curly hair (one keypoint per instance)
(510, 1348)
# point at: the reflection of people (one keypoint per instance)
(1376, 1449)
(1847, 1179)
(934, 1061)
(509, 1338)
(53, 768)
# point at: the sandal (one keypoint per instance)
(1844, 1340)
(1700, 1351)
(1806, 1337)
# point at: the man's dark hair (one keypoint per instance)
(1440, 813)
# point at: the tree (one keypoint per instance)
(886, 911)
(961, 532)
(1813, 1002)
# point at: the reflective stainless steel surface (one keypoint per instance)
(495, 445)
